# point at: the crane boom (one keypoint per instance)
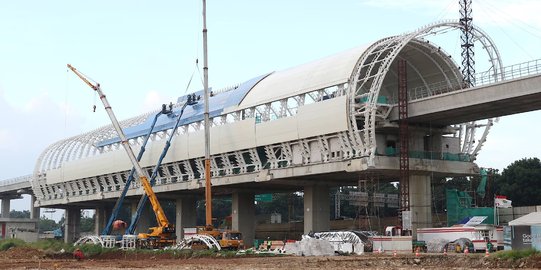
(191, 100)
(116, 209)
(143, 177)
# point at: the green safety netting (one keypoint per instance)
(459, 206)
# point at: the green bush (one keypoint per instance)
(92, 250)
(182, 254)
(8, 243)
(228, 253)
(51, 245)
(516, 254)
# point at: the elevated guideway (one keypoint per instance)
(308, 128)
(16, 186)
(12, 189)
(520, 92)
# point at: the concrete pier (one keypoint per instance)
(420, 202)
(185, 215)
(34, 211)
(243, 216)
(6, 203)
(72, 226)
(316, 209)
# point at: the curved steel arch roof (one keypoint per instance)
(366, 71)
(329, 71)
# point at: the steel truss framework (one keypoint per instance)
(358, 141)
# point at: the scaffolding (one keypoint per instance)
(404, 138)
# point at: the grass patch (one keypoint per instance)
(52, 245)
(516, 254)
(183, 253)
(227, 253)
(93, 250)
(204, 253)
(9, 243)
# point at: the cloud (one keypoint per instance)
(508, 141)
(405, 4)
(153, 100)
(4, 139)
(29, 128)
(518, 13)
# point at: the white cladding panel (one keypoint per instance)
(324, 117)
(276, 131)
(106, 163)
(315, 75)
(236, 136)
(153, 151)
(196, 145)
(178, 150)
(315, 119)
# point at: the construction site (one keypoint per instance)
(339, 163)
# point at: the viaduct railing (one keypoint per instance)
(487, 77)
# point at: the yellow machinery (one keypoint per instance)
(164, 233)
(224, 238)
(227, 239)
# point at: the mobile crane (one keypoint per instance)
(116, 209)
(164, 233)
(227, 239)
(144, 238)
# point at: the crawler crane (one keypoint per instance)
(164, 233)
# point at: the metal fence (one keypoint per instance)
(511, 72)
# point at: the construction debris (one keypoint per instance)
(207, 241)
(436, 245)
(309, 246)
(343, 241)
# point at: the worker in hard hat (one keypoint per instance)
(78, 254)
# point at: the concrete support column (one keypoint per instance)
(101, 218)
(316, 209)
(243, 216)
(72, 224)
(420, 202)
(146, 219)
(6, 202)
(186, 215)
(34, 211)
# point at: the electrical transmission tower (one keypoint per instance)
(468, 59)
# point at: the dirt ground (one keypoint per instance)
(27, 258)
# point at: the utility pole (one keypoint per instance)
(208, 193)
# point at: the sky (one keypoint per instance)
(143, 53)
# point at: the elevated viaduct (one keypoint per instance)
(327, 123)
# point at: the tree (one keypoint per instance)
(87, 223)
(46, 224)
(19, 214)
(289, 205)
(521, 182)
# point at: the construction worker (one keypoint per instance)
(78, 254)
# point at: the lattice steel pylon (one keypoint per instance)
(468, 59)
(404, 137)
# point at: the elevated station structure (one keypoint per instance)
(308, 128)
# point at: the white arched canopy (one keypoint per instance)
(364, 79)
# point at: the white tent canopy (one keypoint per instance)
(529, 219)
